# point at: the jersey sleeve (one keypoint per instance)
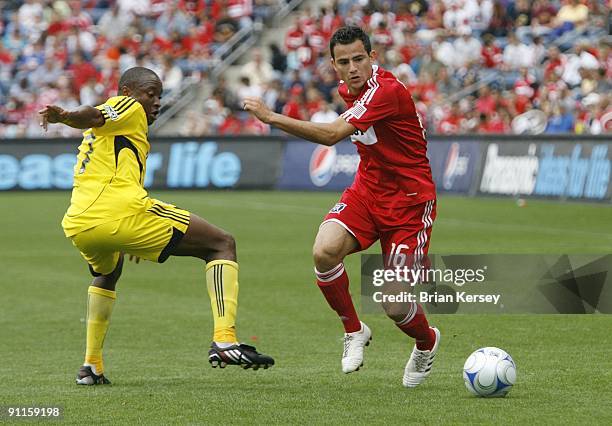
(123, 115)
(376, 104)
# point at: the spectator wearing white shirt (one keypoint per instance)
(444, 51)
(247, 90)
(467, 48)
(136, 7)
(517, 55)
(171, 74)
(257, 70)
(28, 14)
(325, 115)
(455, 17)
(580, 59)
(479, 14)
(114, 23)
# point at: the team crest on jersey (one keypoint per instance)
(111, 112)
(338, 208)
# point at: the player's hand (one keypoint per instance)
(135, 259)
(258, 108)
(51, 114)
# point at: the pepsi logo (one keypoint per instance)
(322, 163)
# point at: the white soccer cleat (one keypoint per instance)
(419, 365)
(352, 357)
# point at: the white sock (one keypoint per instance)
(224, 345)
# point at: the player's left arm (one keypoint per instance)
(83, 117)
(322, 133)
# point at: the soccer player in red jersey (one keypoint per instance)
(392, 199)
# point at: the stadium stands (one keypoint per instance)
(71, 52)
(472, 65)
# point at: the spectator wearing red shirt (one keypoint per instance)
(253, 126)
(427, 88)
(306, 55)
(485, 104)
(192, 7)
(6, 57)
(307, 21)
(294, 38)
(230, 126)
(491, 53)
(451, 122)
(492, 123)
(81, 71)
(404, 19)
(382, 36)
(555, 63)
(78, 18)
(317, 39)
(314, 101)
(293, 107)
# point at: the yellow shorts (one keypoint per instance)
(149, 235)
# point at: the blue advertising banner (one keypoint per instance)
(307, 166)
(454, 164)
(567, 170)
(172, 163)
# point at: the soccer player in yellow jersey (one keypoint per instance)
(111, 214)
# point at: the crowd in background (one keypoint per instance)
(514, 56)
(550, 57)
(71, 52)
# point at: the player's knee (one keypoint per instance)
(225, 247)
(396, 311)
(229, 244)
(109, 281)
(325, 257)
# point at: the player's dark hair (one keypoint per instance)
(347, 35)
(134, 77)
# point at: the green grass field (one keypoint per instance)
(158, 340)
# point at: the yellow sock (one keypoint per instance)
(222, 284)
(99, 308)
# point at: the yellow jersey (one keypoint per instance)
(110, 168)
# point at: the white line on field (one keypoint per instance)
(506, 227)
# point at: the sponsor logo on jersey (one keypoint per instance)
(368, 137)
(111, 112)
(338, 208)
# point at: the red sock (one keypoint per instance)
(334, 285)
(415, 325)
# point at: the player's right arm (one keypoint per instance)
(322, 133)
(83, 117)
(119, 115)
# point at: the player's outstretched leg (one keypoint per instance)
(332, 244)
(100, 300)
(411, 319)
(218, 249)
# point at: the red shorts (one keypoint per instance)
(401, 228)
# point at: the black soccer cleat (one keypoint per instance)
(243, 355)
(86, 376)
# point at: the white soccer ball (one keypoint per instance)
(489, 372)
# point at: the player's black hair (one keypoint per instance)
(134, 77)
(347, 35)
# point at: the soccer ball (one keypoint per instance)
(489, 372)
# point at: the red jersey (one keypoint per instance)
(390, 140)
